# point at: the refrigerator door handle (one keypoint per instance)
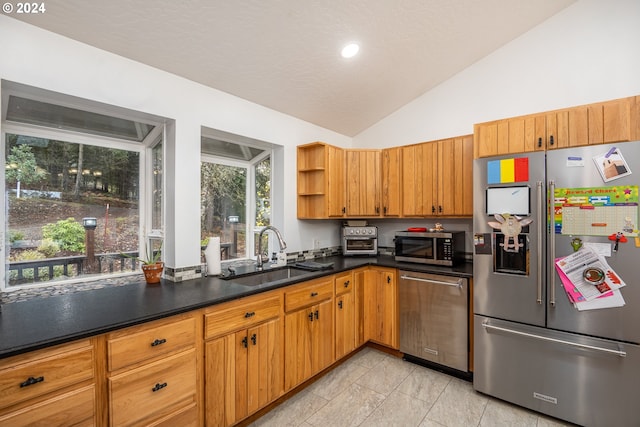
(540, 240)
(552, 244)
(620, 353)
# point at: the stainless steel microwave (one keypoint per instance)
(439, 247)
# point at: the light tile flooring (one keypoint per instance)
(373, 388)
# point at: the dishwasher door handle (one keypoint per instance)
(457, 284)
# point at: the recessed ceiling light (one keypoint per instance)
(350, 50)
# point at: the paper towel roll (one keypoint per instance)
(212, 256)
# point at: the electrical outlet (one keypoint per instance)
(316, 243)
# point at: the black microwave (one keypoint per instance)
(438, 247)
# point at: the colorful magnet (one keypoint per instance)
(618, 238)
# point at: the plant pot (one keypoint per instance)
(153, 272)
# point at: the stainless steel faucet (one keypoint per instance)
(283, 245)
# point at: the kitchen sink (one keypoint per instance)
(267, 276)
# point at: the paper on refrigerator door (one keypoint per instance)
(574, 265)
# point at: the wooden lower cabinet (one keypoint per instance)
(216, 366)
(381, 306)
(50, 387)
(243, 373)
(309, 342)
(309, 330)
(243, 357)
(161, 389)
(345, 312)
(152, 373)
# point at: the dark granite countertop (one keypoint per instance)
(43, 322)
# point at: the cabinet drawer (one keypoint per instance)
(153, 391)
(344, 283)
(140, 343)
(240, 316)
(49, 371)
(308, 294)
(75, 408)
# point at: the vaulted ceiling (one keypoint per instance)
(285, 54)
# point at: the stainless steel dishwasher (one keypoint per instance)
(434, 318)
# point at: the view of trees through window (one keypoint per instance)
(51, 186)
(224, 201)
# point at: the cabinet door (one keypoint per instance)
(264, 365)
(446, 184)
(220, 381)
(430, 172)
(486, 139)
(463, 176)
(243, 373)
(362, 183)
(345, 324)
(412, 163)
(391, 192)
(323, 337)
(381, 311)
(297, 342)
(335, 183)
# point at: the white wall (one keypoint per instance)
(42, 59)
(587, 53)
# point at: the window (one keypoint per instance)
(75, 190)
(235, 192)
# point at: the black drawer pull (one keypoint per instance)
(249, 314)
(254, 339)
(31, 381)
(340, 305)
(310, 316)
(158, 342)
(346, 284)
(158, 386)
(314, 294)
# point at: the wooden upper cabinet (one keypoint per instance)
(320, 181)
(436, 178)
(362, 182)
(391, 189)
(599, 123)
(412, 183)
(459, 202)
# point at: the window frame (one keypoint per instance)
(144, 198)
(251, 230)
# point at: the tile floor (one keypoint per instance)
(373, 388)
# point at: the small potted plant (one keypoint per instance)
(151, 266)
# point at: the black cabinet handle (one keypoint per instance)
(249, 314)
(388, 279)
(158, 342)
(340, 305)
(433, 209)
(314, 294)
(244, 342)
(539, 142)
(346, 284)
(440, 208)
(310, 316)
(158, 386)
(317, 315)
(254, 339)
(551, 140)
(31, 381)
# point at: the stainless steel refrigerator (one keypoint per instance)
(533, 347)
